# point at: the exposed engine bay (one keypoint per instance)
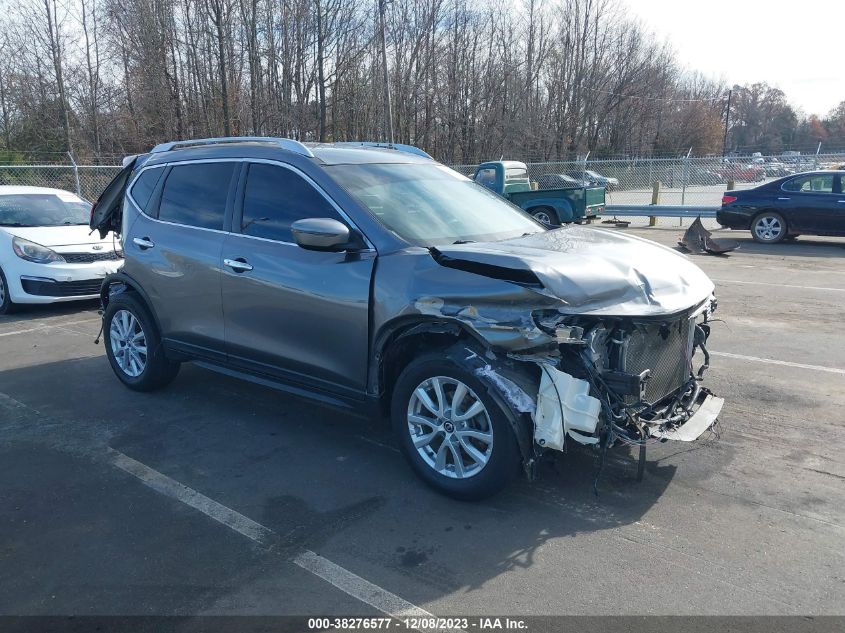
(630, 379)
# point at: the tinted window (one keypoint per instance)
(143, 187)
(814, 184)
(276, 197)
(196, 194)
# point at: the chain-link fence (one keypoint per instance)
(686, 180)
(86, 180)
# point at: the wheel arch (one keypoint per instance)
(119, 282)
(399, 342)
(768, 209)
(561, 210)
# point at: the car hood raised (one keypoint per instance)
(53, 236)
(592, 271)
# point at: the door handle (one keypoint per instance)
(783, 198)
(841, 201)
(239, 265)
(143, 243)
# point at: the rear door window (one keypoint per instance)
(276, 197)
(817, 183)
(196, 194)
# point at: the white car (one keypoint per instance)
(47, 251)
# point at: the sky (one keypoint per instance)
(796, 46)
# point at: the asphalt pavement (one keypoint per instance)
(218, 497)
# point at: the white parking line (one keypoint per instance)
(786, 363)
(172, 488)
(357, 587)
(47, 326)
(763, 283)
(345, 580)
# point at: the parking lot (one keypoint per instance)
(218, 497)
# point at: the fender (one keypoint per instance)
(404, 327)
(121, 277)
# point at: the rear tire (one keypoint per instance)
(466, 458)
(546, 216)
(769, 227)
(6, 304)
(133, 345)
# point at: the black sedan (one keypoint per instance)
(811, 203)
(560, 181)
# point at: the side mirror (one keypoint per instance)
(321, 234)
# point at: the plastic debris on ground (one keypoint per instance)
(699, 240)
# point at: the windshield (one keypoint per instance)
(43, 209)
(430, 205)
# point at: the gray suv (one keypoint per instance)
(377, 280)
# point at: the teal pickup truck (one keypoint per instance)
(509, 179)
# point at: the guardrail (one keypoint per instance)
(660, 210)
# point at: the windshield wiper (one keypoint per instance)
(463, 242)
(14, 224)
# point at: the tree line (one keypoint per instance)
(468, 79)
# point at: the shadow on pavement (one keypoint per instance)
(319, 479)
(28, 312)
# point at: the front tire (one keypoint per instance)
(133, 345)
(6, 304)
(454, 434)
(769, 227)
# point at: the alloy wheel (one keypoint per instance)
(543, 217)
(450, 427)
(768, 228)
(2, 291)
(128, 343)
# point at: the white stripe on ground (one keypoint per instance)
(337, 576)
(785, 363)
(172, 488)
(763, 283)
(357, 587)
(47, 326)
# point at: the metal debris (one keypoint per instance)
(699, 240)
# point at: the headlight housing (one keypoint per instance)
(32, 252)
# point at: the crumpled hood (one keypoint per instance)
(592, 271)
(52, 236)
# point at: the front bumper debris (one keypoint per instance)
(698, 423)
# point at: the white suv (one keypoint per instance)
(47, 251)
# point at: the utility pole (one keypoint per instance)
(727, 123)
(388, 106)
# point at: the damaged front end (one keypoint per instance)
(625, 380)
(587, 336)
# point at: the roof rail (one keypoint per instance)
(399, 147)
(284, 143)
